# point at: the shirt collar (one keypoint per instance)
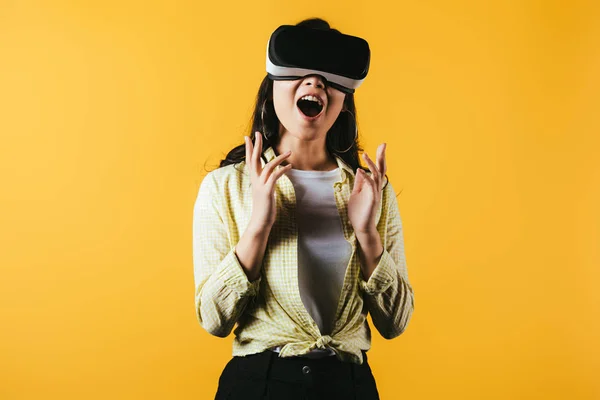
(269, 154)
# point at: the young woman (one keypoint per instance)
(295, 243)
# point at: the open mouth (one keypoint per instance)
(309, 106)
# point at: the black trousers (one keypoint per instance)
(265, 376)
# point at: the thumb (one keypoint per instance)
(359, 181)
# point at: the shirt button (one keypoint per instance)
(306, 370)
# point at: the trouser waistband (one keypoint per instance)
(268, 365)
(316, 353)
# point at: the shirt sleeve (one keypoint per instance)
(222, 287)
(388, 293)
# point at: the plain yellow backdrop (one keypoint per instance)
(110, 111)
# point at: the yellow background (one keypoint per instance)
(109, 111)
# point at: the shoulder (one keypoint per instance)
(224, 180)
(390, 204)
(227, 173)
(388, 189)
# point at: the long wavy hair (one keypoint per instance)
(342, 134)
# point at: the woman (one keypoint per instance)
(296, 242)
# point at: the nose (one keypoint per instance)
(315, 80)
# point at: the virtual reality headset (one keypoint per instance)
(297, 51)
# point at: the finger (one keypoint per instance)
(268, 169)
(248, 153)
(381, 163)
(277, 174)
(375, 174)
(369, 181)
(256, 153)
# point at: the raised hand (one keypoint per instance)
(264, 206)
(366, 194)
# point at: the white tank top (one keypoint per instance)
(323, 252)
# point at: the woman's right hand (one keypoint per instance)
(264, 206)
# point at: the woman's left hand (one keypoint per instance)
(366, 195)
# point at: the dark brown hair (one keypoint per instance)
(340, 136)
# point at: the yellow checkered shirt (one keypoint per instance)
(269, 311)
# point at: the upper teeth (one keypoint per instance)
(312, 98)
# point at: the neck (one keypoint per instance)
(307, 155)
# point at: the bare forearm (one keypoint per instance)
(250, 251)
(370, 250)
